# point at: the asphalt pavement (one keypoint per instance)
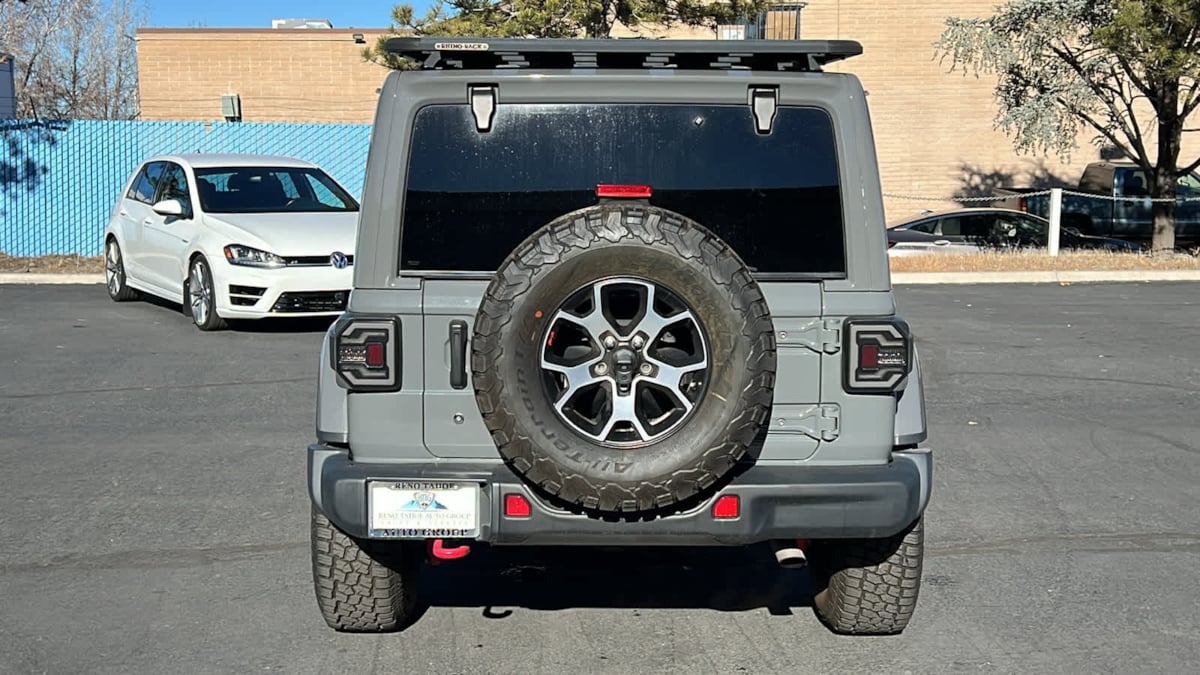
(153, 514)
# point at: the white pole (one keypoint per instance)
(1055, 220)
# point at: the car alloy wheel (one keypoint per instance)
(624, 362)
(201, 297)
(114, 274)
(199, 294)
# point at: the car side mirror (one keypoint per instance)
(169, 208)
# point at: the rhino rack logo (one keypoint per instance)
(462, 46)
(423, 501)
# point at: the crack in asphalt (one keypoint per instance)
(1095, 542)
(153, 558)
(117, 390)
(959, 374)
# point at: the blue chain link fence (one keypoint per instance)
(60, 180)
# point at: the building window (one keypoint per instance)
(780, 21)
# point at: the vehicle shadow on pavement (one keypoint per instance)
(281, 324)
(730, 579)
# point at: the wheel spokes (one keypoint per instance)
(199, 294)
(668, 378)
(578, 377)
(112, 264)
(624, 410)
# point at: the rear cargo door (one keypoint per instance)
(473, 194)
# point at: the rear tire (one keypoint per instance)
(114, 274)
(868, 586)
(361, 586)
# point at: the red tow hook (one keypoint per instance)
(438, 551)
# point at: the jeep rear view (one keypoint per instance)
(620, 292)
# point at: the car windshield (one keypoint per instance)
(257, 189)
(775, 199)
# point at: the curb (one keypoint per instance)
(41, 279)
(898, 278)
(1044, 277)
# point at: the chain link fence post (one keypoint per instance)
(1055, 214)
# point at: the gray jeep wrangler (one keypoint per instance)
(620, 292)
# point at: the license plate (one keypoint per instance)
(423, 509)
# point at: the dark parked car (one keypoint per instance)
(971, 230)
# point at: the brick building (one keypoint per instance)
(933, 129)
(278, 74)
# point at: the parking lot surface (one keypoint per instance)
(154, 517)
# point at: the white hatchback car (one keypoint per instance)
(233, 237)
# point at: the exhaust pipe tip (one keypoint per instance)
(789, 555)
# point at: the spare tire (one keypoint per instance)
(623, 359)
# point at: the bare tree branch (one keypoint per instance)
(1111, 97)
(72, 57)
(1191, 99)
(1133, 76)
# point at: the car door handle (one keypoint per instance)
(123, 212)
(148, 221)
(942, 242)
(458, 354)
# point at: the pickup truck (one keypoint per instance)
(1128, 219)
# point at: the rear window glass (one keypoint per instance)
(473, 197)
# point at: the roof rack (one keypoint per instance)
(434, 53)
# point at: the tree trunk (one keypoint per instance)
(1166, 171)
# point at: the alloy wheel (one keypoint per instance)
(624, 362)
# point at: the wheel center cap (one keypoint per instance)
(624, 366)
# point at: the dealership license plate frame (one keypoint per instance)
(394, 512)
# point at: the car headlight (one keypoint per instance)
(237, 254)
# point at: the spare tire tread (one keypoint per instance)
(582, 230)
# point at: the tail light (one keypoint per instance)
(624, 191)
(366, 353)
(878, 354)
(1023, 204)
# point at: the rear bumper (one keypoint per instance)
(777, 502)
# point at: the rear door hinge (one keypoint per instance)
(819, 422)
(763, 103)
(483, 105)
(823, 336)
